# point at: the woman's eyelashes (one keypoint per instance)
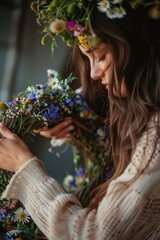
(101, 59)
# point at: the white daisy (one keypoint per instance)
(52, 73)
(69, 182)
(120, 12)
(53, 82)
(111, 13)
(103, 5)
(22, 215)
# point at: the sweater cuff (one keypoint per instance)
(31, 176)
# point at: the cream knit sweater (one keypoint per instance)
(125, 213)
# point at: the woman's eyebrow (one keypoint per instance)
(91, 50)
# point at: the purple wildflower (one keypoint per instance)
(72, 183)
(33, 96)
(71, 101)
(52, 112)
(80, 172)
(75, 27)
(12, 103)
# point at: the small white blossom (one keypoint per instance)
(31, 89)
(111, 13)
(52, 73)
(78, 90)
(103, 5)
(22, 215)
(53, 82)
(120, 12)
(69, 181)
(13, 232)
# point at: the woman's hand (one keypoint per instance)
(61, 131)
(13, 151)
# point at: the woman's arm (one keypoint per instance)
(126, 212)
(123, 211)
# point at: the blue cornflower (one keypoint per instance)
(54, 93)
(33, 96)
(52, 112)
(72, 184)
(2, 214)
(81, 98)
(71, 101)
(45, 87)
(12, 235)
(80, 172)
(53, 108)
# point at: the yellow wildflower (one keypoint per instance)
(29, 100)
(86, 113)
(3, 105)
(83, 41)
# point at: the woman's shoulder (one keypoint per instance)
(146, 157)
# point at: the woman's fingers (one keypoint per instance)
(66, 132)
(5, 132)
(13, 151)
(58, 131)
(41, 129)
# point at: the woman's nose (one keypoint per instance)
(96, 73)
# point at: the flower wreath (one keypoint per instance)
(71, 19)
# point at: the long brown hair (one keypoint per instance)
(134, 42)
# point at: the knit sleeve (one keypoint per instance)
(127, 211)
(124, 211)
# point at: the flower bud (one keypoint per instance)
(155, 12)
(29, 100)
(43, 40)
(69, 42)
(70, 8)
(57, 26)
(33, 6)
(3, 106)
(53, 5)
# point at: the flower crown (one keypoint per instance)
(71, 19)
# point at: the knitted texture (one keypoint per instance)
(129, 211)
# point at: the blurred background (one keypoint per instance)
(23, 60)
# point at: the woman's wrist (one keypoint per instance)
(24, 160)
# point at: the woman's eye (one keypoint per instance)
(101, 58)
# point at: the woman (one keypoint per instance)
(127, 62)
